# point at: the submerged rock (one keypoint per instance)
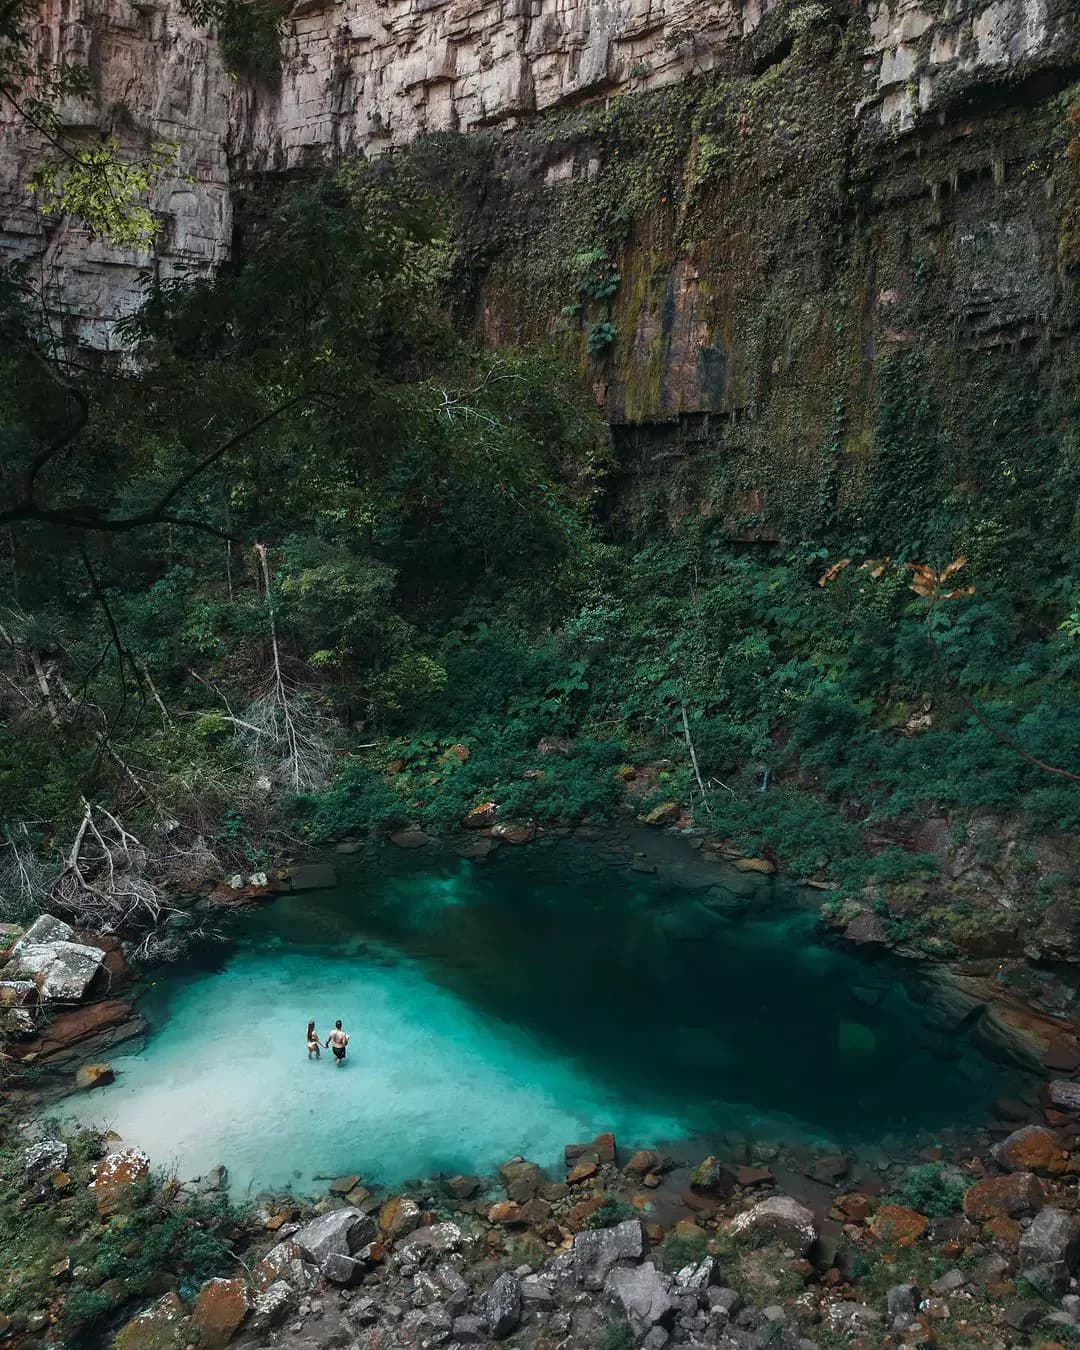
(93, 1075)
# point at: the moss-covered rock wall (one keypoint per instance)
(792, 316)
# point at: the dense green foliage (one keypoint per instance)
(58, 1254)
(314, 555)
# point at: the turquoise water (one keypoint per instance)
(520, 1005)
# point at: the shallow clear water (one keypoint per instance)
(521, 1005)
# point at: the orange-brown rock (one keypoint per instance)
(89, 1076)
(1033, 1148)
(667, 813)
(71, 1026)
(114, 1177)
(156, 1329)
(898, 1223)
(642, 1162)
(762, 865)
(535, 1211)
(855, 1208)
(1007, 1231)
(1011, 1197)
(583, 1171)
(400, 1215)
(118, 972)
(505, 1211)
(480, 817)
(219, 1313)
(575, 1218)
(458, 751)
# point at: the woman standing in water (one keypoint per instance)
(312, 1041)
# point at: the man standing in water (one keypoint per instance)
(337, 1041)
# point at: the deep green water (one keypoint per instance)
(525, 1003)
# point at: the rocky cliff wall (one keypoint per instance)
(365, 75)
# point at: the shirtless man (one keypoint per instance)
(337, 1041)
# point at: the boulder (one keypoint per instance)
(155, 1329)
(93, 1075)
(437, 1238)
(597, 1251)
(763, 865)
(713, 1179)
(44, 1158)
(468, 1330)
(341, 1186)
(481, 817)
(62, 971)
(463, 1187)
(503, 1306)
(666, 813)
(697, 1278)
(114, 1176)
(340, 1233)
(640, 1294)
(1052, 1241)
(1015, 1196)
(867, 930)
(411, 837)
(1064, 1095)
(1033, 1148)
(43, 931)
(521, 1180)
(643, 1162)
(284, 1263)
(342, 1270)
(781, 1218)
(902, 1301)
(272, 1306)
(399, 1216)
(514, 831)
(898, 1223)
(17, 993)
(219, 1313)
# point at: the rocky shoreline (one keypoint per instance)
(760, 1248)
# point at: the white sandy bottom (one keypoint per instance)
(429, 1086)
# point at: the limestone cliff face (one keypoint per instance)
(898, 78)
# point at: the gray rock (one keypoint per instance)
(503, 1305)
(469, 1330)
(341, 1269)
(598, 1251)
(656, 1339)
(948, 1283)
(1071, 1304)
(640, 1293)
(272, 1307)
(43, 931)
(1052, 1241)
(312, 876)
(341, 1232)
(1021, 1316)
(62, 971)
(45, 1157)
(362, 1312)
(990, 1270)
(456, 1294)
(725, 1301)
(537, 1293)
(851, 1319)
(902, 1300)
(782, 1218)
(437, 1238)
(697, 1278)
